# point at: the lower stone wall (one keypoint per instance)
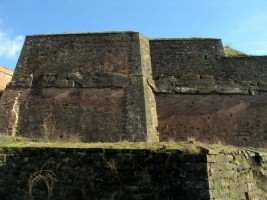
(73, 173)
(101, 174)
(237, 174)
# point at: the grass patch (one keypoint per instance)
(11, 139)
(230, 52)
(115, 145)
(191, 146)
(16, 142)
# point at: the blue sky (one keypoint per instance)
(241, 24)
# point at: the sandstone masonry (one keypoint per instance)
(5, 78)
(108, 87)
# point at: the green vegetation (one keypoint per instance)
(20, 142)
(230, 52)
(10, 139)
(47, 177)
(191, 146)
(116, 145)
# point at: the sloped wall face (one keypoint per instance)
(88, 86)
(215, 100)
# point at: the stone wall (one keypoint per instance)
(118, 86)
(237, 174)
(240, 69)
(131, 174)
(226, 119)
(175, 57)
(202, 94)
(90, 86)
(101, 174)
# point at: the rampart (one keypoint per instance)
(99, 173)
(123, 86)
(91, 85)
(175, 57)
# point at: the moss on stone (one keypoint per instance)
(190, 147)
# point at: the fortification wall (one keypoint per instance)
(91, 53)
(213, 98)
(90, 86)
(237, 174)
(238, 120)
(177, 57)
(117, 86)
(58, 173)
(248, 68)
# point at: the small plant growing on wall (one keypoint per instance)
(112, 166)
(40, 181)
(52, 134)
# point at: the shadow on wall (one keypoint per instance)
(238, 120)
(97, 174)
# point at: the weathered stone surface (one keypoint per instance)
(239, 175)
(102, 87)
(179, 85)
(131, 174)
(228, 119)
(104, 174)
(202, 94)
(90, 86)
(185, 57)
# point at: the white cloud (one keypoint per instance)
(10, 47)
(249, 35)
